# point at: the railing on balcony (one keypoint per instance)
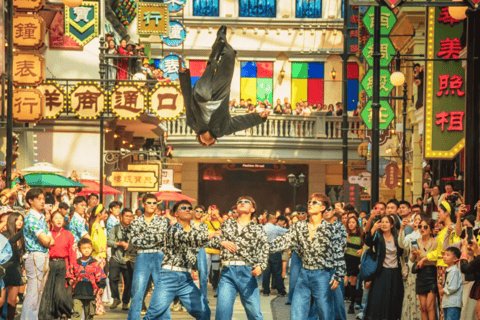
(318, 125)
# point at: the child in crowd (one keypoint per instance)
(88, 281)
(452, 289)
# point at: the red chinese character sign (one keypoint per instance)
(166, 101)
(54, 99)
(127, 101)
(27, 105)
(28, 31)
(445, 89)
(28, 69)
(87, 100)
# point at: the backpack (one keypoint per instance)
(369, 264)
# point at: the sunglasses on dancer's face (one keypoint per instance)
(244, 201)
(314, 203)
(186, 208)
(152, 203)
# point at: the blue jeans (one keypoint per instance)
(339, 304)
(202, 271)
(295, 267)
(181, 285)
(452, 313)
(274, 269)
(314, 283)
(146, 265)
(238, 279)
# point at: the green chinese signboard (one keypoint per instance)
(385, 85)
(387, 20)
(445, 87)
(386, 49)
(386, 115)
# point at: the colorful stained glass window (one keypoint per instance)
(258, 8)
(205, 8)
(307, 82)
(256, 81)
(308, 9)
(197, 68)
(352, 86)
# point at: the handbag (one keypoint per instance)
(369, 264)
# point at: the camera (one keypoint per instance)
(452, 198)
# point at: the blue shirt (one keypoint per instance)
(34, 226)
(453, 288)
(112, 221)
(273, 231)
(77, 227)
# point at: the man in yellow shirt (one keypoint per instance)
(213, 222)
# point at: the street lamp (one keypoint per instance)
(295, 183)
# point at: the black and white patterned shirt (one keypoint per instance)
(181, 248)
(148, 236)
(202, 227)
(340, 243)
(251, 242)
(325, 251)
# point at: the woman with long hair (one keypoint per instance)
(13, 271)
(352, 259)
(99, 243)
(57, 298)
(426, 282)
(388, 276)
(446, 216)
(57, 195)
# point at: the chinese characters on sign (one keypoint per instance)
(391, 175)
(133, 179)
(153, 18)
(54, 100)
(386, 115)
(28, 31)
(156, 168)
(81, 23)
(27, 105)
(28, 69)
(176, 35)
(166, 101)
(128, 101)
(445, 92)
(87, 101)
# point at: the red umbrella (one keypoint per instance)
(94, 187)
(173, 196)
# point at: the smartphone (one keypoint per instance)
(214, 207)
(469, 234)
(467, 208)
(415, 245)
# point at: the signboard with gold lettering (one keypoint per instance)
(28, 5)
(127, 101)
(133, 179)
(153, 167)
(166, 101)
(87, 100)
(54, 99)
(28, 31)
(153, 18)
(27, 105)
(28, 69)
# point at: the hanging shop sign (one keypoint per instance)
(387, 20)
(27, 105)
(175, 5)
(391, 175)
(351, 194)
(384, 135)
(133, 179)
(176, 34)
(87, 100)
(28, 31)
(28, 5)
(28, 69)
(81, 23)
(386, 115)
(169, 66)
(167, 177)
(445, 89)
(54, 99)
(127, 101)
(156, 168)
(385, 85)
(386, 49)
(152, 18)
(166, 101)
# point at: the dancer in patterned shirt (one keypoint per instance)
(322, 257)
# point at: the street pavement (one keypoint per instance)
(273, 308)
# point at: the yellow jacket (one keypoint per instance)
(99, 241)
(437, 254)
(212, 227)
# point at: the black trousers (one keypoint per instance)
(274, 269)
(117, 269)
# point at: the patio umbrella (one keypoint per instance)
(50, 180)
(94, 187)
(173, 196)
(42, 167)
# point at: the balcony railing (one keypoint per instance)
(316, 126)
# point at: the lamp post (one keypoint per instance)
(295, 183)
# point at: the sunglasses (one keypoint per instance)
(424, 227)
(302, 213)
(244, 201)
(151, 203)
(186, 208)
(198, 211)
(314, 203)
